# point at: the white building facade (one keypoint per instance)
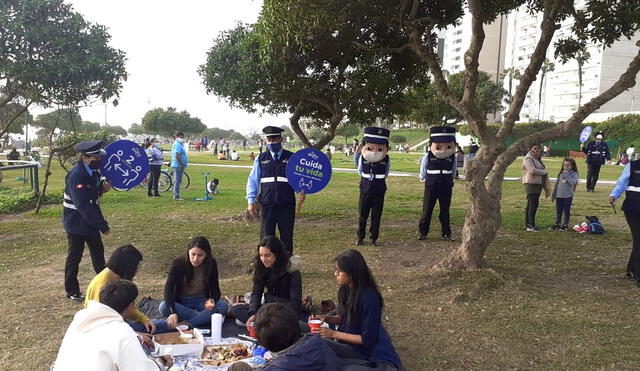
(510, 43)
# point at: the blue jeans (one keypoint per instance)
(177, 181)
(563, 205)
(161, 326)
(192, 310)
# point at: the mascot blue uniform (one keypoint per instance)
(437, 171)
(373, 167)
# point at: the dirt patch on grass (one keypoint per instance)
(402, 256)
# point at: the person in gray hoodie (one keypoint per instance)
(563, 192)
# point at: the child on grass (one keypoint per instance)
(563, 192)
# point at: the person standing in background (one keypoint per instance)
(178, 163)
(155, 163)
(597, 155)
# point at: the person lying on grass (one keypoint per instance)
(98, 338)
(274, 276)
(124, 263)
(362, 335)
(192, 290)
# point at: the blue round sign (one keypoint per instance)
(585, 134)
(308, 170)
(125, 165)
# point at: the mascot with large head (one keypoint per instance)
(373, 167)
(437, 171)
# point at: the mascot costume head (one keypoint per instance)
(376, 144)
(442, 142)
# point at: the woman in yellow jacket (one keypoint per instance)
(123, 264)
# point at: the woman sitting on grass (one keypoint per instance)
(274, 273)
(123, 264)
(362, 335)
(192, 290)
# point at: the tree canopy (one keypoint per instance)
(427, 108)
(263, 67)
(166, 122)
(50, 55)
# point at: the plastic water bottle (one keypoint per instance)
(216, 327)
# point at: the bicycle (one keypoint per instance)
(166, 180)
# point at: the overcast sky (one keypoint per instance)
(165, 41)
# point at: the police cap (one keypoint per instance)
(91, 148)
(374, 134)
(442, 134)
(272, 131)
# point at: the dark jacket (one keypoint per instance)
(81, 212)
(376, 342)
(287, 289)
(310, 353)
(175, 280)
(597, 153)
(274, 187)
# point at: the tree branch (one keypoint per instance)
(7, 125)
(626, 81)
(548, 28)
(294, 121)
(330, 133)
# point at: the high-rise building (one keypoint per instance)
(509, 44)
(557, 96)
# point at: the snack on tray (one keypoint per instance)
(218, 355)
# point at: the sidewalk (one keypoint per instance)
(395, 173)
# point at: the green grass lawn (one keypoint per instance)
(549, 300)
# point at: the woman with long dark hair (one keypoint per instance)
(274, 276)
(361, 334)
(192, 290)
(123, 264)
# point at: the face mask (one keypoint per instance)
(274, 147)
(156, 144)
(373, 156)
(181, 140)
(94, 164)
(442, 150)
(567, 168)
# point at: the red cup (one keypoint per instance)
(252, 330)
(315, 324)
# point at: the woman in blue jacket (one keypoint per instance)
(361, 334)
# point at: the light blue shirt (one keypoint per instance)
(358, 164)
(424, 164)
(622, 183)
(253, 183)
(89, 170)
(178, 148)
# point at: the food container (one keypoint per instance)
(178, 348)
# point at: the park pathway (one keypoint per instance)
(391, 173)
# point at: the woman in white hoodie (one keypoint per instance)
(99, 339)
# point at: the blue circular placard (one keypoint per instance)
(125, 165)
(308, 170)
(585, 134)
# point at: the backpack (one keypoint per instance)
(595, 227)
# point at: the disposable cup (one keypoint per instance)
(252, 330)
(315, 324)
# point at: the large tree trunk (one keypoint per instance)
(483, 217)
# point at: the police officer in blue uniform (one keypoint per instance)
(597, 154)
(373, 167)
(437, 171)
(82, 218)
(629, 182)
(268, 186)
